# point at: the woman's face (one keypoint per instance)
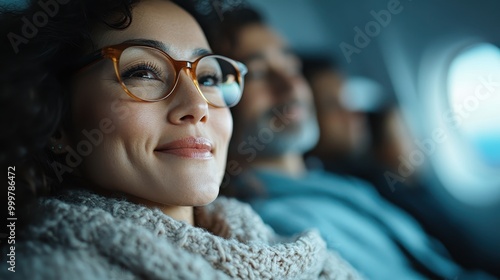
(171, 152)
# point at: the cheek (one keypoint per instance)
(221, 125)
(90, 106)
(107, 120)
(109, 109)
(96, 96)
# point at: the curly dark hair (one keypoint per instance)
(37, 42)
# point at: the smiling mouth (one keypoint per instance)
(190, 147)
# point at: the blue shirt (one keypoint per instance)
(377, 238)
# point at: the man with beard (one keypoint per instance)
(274, 125)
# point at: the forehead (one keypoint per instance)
(258, 40)
(161, 21)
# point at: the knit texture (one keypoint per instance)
(84, 235)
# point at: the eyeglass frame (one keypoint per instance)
(114, 52)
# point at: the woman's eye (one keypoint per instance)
(143, 74)
(146, 71)
(209, 81)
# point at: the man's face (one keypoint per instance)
(276, 109)
(343, 131)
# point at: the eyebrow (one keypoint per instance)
(160, 45)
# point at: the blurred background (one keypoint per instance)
(431, 68)
(431, 56)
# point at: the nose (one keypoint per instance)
(187, 105)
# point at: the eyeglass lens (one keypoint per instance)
(149, 75)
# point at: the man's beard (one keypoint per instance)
(278, 135)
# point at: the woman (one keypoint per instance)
(136, 127)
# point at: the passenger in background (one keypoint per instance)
(361, 140)
(344, 133)
(275, 124)
(364, 135)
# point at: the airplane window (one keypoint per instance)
(468, 159)
(474, 98)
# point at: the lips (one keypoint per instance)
(190, 147)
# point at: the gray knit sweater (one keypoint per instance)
(87, 236)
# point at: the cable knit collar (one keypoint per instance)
(231, 240)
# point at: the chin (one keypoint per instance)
(202, 201)
(203, 195)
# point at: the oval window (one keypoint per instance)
(474, 99)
